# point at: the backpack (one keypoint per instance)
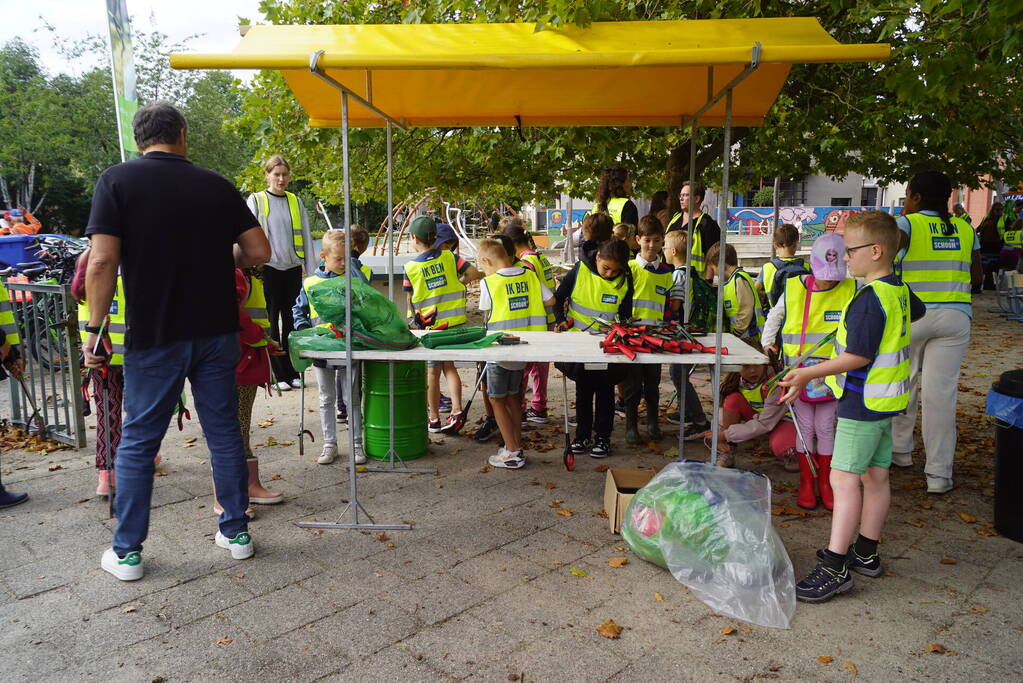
(703, 311)
(786, 269)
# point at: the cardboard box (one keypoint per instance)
(619, 487)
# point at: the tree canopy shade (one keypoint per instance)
(447, 74)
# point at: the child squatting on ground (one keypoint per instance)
(332, 253)
(807, 310)
(869, 374)
(435, 286)
(513, 300)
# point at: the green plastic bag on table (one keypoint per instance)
(459, 338)
(376, 323)
(311, 339)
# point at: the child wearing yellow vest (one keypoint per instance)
(749, 411)
(741, 303)
(600, 285)
(332, 253)
(435, 282)
(806, 312)
(785, 242)
(655, 297)
(869, 374)
(513, 300)
(535, 373)
(360, 242)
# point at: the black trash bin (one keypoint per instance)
(1005, 404)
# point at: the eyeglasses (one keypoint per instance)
(849, 250)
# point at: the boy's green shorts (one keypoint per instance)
(860, 444)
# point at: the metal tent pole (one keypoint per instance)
(353, 502)
(723, 222)
(688, 307)
(392, 452)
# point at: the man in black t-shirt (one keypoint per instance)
(181, 318)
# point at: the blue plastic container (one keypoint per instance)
(14, 249)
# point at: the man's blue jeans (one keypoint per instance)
(153, 381)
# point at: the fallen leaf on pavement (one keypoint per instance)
(191, 439)
(618, 562)
(239, 575)
(275, 477)
(969, 519)
(728, 631)
(551, 485)
(986, 532)
(581, 573)
(286, 443)
(658, 597)
(129, 609)
(936, 648)
(602, 513)
(225, 641)
(824, 659)
(609, 629)
(601, 468)
(564, 512)
(54, 467)
(948, 560)
(382, 536)
(779, 510)
(267, 423)
(159, 473)
(851, 668)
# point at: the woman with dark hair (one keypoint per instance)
(939, 264)
(613, 196)
(990, 248)
(659, 206)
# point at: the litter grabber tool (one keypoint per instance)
(36, 416)
(427, 320)
(569, 457)
(183, 413)
(323, 212)
(86, 406)
(773, 361)
(459, 422)
(104, 350)
(510, 340)
(802, 359)
(302, 431)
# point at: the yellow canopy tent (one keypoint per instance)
(640, 73)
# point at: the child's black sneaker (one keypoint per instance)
(342, 415)
(486, 430)
(868, 566)
(693, 432)
(824, 582)
(601, 448)
(581, 445)
(434, 426)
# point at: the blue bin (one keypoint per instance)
(14, 249)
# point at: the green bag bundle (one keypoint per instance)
(376, 323)
(459, 338)
(311, 339)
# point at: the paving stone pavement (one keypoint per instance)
(481, 588)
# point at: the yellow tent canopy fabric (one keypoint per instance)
(641, 73)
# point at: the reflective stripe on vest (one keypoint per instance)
(7, 323)
(697, 256)
(825, 311)
(263, 206)
(593, 296)
(543, 268)
(650, 293)
(115, 328)
(754, 397)
(937, 266)
(886, 386)
(255, 306)
(435, 284)
(516, 303)
(731, 305)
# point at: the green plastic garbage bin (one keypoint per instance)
(410, 440)
(1005, 404)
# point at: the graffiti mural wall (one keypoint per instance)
(812, 221)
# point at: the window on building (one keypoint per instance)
(868, 196)
(841, 201)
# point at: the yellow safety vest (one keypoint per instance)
(263, 206)
(115, 328)
(731, 304)
(308, 284)
(615, 206)
(367, 272)
(1014, 238)
(754, 396)
(649, 294)
(7, 323)
(516, 303)
(543, 269)
(697, 256)
(435, 284)
(255, 306)
(886, 386)
(593, 296)
(770, 269)
(937, 266)
(825, 311)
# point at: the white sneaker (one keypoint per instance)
(296, 383)
(128, 568)
(328, 455)
(360, 455)
(902, 459)
(241, 546)
(282, 386)
(509, 460)
(939, 484)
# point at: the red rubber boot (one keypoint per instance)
(806, 498)
(824, 481)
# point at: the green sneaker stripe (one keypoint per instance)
(131, 559)
(241, 539)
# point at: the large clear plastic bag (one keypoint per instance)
(711, 528)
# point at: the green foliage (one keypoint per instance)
(764, 196)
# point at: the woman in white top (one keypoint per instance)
(286, 224)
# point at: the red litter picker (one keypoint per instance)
(666, 337)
